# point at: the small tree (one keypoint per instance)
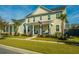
(63, 17)
(2, 24)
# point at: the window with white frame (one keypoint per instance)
(28, 20)
(40, 17)
(57, 27)
(33, 19)
(58, 15)
(49, 17)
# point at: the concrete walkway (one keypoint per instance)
(47, 41)
(13, 50)
(30, 39)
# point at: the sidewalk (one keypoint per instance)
(21, 51)
(30, 39)
(47, 41)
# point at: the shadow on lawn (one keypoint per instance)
(71, 43)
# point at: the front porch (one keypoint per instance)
(9, 29)
(39, 29)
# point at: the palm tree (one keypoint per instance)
(63, 17)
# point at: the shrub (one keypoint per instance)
(40, 35)
(57, 35)
(5, 34)
(60, 36)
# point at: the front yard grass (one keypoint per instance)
(75, 39)
(16, 37)
(46, 39)
(42, 47)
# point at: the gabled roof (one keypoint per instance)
(59, 8)
(20, 21)
(37, 11)
(45, 8)
(54, 10)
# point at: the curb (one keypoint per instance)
(22, 51)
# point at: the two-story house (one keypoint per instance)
(43, 21)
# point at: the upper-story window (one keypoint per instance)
(58, 15)
(40, 17)
(33, 19)
(28, 20)
(48, 16)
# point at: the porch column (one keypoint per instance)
(12, 30)
(8, 29)
(33, 30)
(5, 29)
(26, 29)
(49, 29)
(40, 29)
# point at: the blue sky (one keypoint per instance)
(9, 12)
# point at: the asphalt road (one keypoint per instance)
(6, 51)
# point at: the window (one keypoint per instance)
(40, 17)
(58, 15)
(28, 20)
(33, 19)
(48, 17)
(57, 27)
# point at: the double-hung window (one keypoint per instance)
(40, 17)
(58, 15)
(48, 16)
(57, 27)
(33, 19)
(28, 20)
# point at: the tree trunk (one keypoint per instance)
(62, 27)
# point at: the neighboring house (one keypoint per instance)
(10, 27)
(43, 21)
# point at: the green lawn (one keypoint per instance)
(42, 47)
(16, 37)
(75, 39)
(46, 39)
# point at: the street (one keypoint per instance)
(13, 50)
(6, 51)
